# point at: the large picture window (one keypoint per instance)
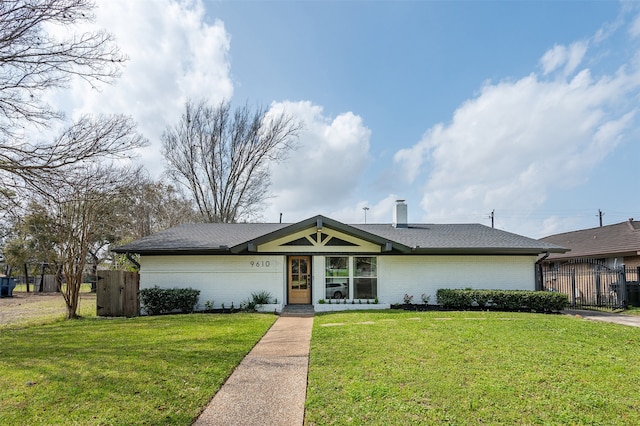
(337, 277)
(351, 277)
(365, 278)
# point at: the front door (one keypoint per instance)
(299, 280)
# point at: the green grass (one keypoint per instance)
(632, 310)
(144, 371)
(471, 368)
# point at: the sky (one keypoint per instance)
(527, 109)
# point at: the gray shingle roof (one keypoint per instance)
(200, 237)
(620, 239)
(457, 237)
(416, 238)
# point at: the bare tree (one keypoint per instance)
(223, 158)
(84, 213)
(156, 206)
(89, 139)
(33, 59)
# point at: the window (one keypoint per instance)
(365, 278)
(337, 277)
(351, 275)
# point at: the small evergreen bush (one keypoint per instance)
(503, 300)
(158, 300)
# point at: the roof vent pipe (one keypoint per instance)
(400, 215)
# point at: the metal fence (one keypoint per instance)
(593, 285)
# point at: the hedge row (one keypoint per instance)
(158, 300)
(504, 300)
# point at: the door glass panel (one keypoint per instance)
(303, 266)
(295, 281)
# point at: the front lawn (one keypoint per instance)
(144, 371)
(400, 367)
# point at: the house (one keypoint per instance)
(601, 268)
(324, 259)
(612, 245)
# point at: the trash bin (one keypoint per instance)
(6, 286)
(633, 294)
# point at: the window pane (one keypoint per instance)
(365, 288)
(337, 266)
(303, 282)
(295, 281)
(337, 277)
(365, 283)
(365, 267)
(337, 288)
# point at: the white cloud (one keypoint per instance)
(516, 141)
(634, 28)
(321, 175)
(562, 56)
(174, 54)
(378, 212)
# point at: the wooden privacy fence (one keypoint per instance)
(117, 294)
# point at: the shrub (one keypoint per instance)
(504, 300)
(158, 300)
(261, 298)
(256, 300)
(455, 299)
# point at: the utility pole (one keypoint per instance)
(600, 214)
(365, 214)
(493, 215)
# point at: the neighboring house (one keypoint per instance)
(320, 258)
(601, 268)
(611, 245)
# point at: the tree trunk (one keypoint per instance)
(41, 289)
(26, 276)
(94, 272)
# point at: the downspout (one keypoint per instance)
(538, 271)
(132, 260)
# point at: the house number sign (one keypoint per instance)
(260, 263)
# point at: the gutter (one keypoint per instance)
(546, 254)
(538, 271)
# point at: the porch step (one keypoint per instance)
(297, 311)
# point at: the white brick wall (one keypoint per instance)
(221, 279)
(226, 279)
(415, 275)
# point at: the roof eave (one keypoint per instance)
(172, 251)
(482, 251)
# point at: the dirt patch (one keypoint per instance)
(34, 307)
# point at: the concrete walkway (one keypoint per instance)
(630, 320)
(269, 386)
